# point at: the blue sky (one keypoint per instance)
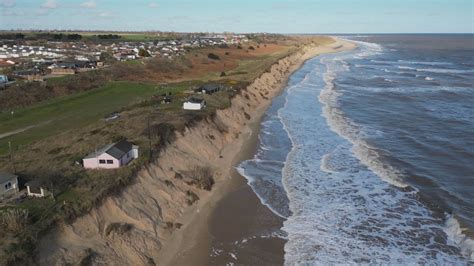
(284, 16)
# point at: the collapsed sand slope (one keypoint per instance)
(130, 228)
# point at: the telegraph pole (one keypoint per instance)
(11, 156)
(149, 139)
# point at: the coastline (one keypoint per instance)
(233, 209)
(162, 218)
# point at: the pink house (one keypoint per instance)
(111, 156)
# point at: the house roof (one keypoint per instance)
(116, 150)
(36, 183)
(210, 87)
(195, 100)
(5, 177)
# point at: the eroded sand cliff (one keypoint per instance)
(132, 227)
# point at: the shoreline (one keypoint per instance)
(234, 199)
(162, 218)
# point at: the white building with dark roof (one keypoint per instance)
(8, 184)
(111, 156)
(194, 104)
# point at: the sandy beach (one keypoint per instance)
(168, 228)
(233, 212)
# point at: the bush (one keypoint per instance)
(223, 74)
(119, 228)
(203, 177)
(164, 131)
(251, 48)
(191, 197)
(14, 220)
(143, 53)
(213, 56)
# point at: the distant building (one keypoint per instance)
(112, 156)
(208, 89)
(3, 79)
(8, 184)
(36, 189)
(29, 75)
(194, 104)
(64, 69)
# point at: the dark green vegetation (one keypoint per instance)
(88, 36)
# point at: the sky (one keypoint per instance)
(283, 16)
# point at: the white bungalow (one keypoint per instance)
(111, 156)
(194, 104)
(8, 184)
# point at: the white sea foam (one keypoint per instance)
(343, 212)
(437, 70)
(455, 233)
(424, 63)
(347, 205)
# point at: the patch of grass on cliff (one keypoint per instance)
(72, 112)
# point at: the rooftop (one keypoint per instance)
(116, 150)
(5, 177)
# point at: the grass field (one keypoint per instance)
(71, 112)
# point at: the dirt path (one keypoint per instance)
(16, 131)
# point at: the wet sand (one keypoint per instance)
(235, 227)
(242, 230)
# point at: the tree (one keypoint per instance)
(213, 56)
(143, 53)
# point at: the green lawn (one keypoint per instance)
(72, 112)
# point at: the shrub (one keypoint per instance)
(143, 53)
(14, 220)
(251, 48)
(119, 228)
(203, 177)
(247, 116)
(191, 197)
(213, 56)
(223, 74)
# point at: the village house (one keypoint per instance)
(208, 89)
(29, 75)
(194, 104)
(63, 69)
(8, 184)
(36, 189)
(112, 156)
(3, 79)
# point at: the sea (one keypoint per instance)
(368, 154)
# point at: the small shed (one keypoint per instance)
(208, 89)
(194, 104)
(8, 184)
(36, 188)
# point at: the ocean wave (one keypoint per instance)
(437, 70)
(340, 124)
(424, 63)
(343, 212)
(455, 233)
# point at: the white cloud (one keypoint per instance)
(7, 3)
(89, 4)
(50, 4)
(105, 15)
(153, 5)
